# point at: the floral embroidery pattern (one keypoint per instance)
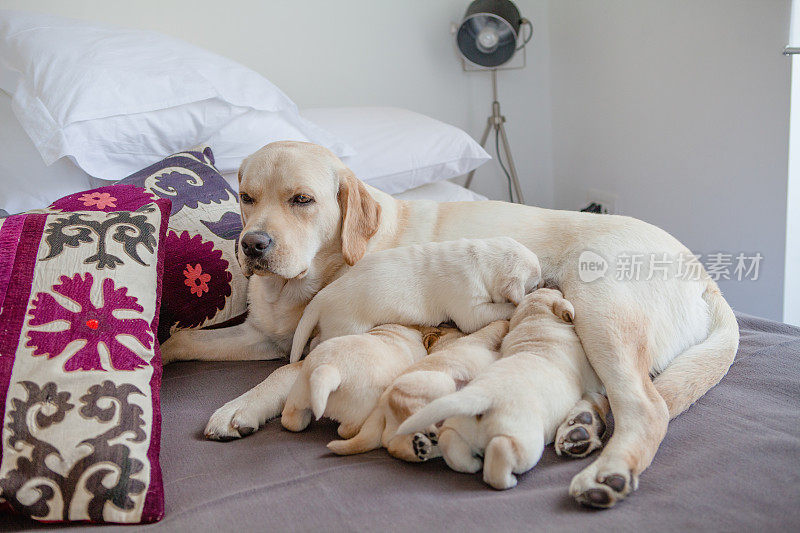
(185, 188)
(196, 280)
(195, 268)
(131, 229)
(100, 200)
(228, 227)
(93, 325)
(107, 474)
(111, 198)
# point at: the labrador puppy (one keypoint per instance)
(470, 281)
(449, 366)
(508, 413)
(343, 378)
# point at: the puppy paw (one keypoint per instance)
(232, 421)
(582, 432)
(422, 445)
(602, 486)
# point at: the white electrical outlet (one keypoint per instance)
(608, 200)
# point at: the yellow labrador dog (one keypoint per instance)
(307, 217)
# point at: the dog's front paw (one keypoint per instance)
(232, 421)
(601, 485)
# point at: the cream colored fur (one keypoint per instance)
(343, 378)
(471, 282)
(681, 331)
(510, 411)
(446, 369)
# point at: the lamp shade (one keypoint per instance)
(487, 36)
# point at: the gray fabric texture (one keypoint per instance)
(730, 463)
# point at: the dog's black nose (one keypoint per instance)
(255, 243)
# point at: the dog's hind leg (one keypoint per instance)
(297, 412)
(500, 459)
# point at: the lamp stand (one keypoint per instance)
(497, 121)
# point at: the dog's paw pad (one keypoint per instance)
(580, 435)
(422, 446)
(603, 491)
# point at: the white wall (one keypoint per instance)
(791, 289)
(360, 53)
(681, 109)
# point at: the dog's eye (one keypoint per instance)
(302, 199)
(245, 198)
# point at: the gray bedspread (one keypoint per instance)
(730, 463)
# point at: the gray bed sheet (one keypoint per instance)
(730, 463)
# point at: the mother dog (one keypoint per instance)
(306, 217)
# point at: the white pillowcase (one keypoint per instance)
(25, 181)
(397, 149)
(116, 100)
(441, 191)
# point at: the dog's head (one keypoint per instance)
(296, 200)
(544, 302)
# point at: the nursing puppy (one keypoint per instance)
(449, 366)
(343, 378)
(470, 281)
(512, 410)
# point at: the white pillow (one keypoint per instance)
(25, 181)
(397, 149)
(117, 100)
(441, 191)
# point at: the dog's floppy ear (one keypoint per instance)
(361, 215)
(431, 338)
(563, 309)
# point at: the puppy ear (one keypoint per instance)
(514, 291)
(360, 216)
(429, 339)
(563, 309)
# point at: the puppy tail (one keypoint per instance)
(321, 383)
(303, 331)
(368, 438)
(469, 401)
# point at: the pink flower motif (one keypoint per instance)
(99, 200)
(92, 325)
(110, 198)
(196, 280)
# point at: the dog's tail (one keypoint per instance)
(693, 372)
(303, 331)
(321, 383)
(468, 401)
(368, 438)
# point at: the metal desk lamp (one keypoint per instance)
(487, 39)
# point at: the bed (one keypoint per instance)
(730, 463)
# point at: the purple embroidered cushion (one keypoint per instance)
(203, 284)
(80, 367)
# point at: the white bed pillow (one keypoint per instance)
(116, 100)
(397, 149)
(25, 181)
(441, 191)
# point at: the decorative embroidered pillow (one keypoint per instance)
(80, 366)
(203, 284)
